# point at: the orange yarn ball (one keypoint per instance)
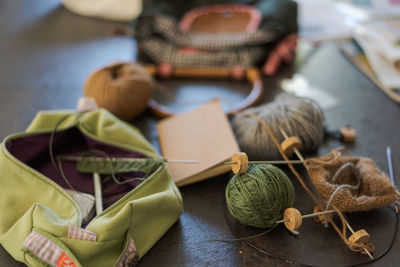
(122, 88)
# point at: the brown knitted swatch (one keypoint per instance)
(376, 189)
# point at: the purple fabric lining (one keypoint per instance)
(34, 152)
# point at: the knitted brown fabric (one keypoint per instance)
(376, 189)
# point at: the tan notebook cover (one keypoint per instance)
(203, 134)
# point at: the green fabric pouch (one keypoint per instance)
(41, 223)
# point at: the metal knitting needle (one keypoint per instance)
(78, 158)
(391, 175)
(240, 162)
(389, 158)
(188, 161)
(267, 162)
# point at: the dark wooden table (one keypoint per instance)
(46, 53)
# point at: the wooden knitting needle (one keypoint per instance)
(240, 162)
(293, 219)
(98, 195)
(294, 216)
(353, 236)
(294, 147)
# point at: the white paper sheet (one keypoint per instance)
(383, 69)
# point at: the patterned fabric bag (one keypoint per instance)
(213, 33)
(42, 224)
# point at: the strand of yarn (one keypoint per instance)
(347, 166)
(259, 197)
(57, 165)
(300, 117)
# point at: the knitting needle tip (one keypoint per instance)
(389, 158)
(183, 161)
(268, 162)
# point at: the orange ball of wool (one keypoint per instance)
(122, 88)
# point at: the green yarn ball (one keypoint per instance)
(260, 196)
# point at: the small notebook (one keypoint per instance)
(203, 134)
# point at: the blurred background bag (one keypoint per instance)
(213, 33)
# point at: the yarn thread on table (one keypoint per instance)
(122, 88)
(297, 116)
(260, 196)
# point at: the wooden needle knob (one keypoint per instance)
(293, 219)
(359, 237)
(289, 144)
(240, 163)
(347, 134)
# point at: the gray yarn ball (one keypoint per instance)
(297, 116)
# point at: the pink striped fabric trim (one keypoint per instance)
(79, 233)
(129, 255)
(43, 248)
